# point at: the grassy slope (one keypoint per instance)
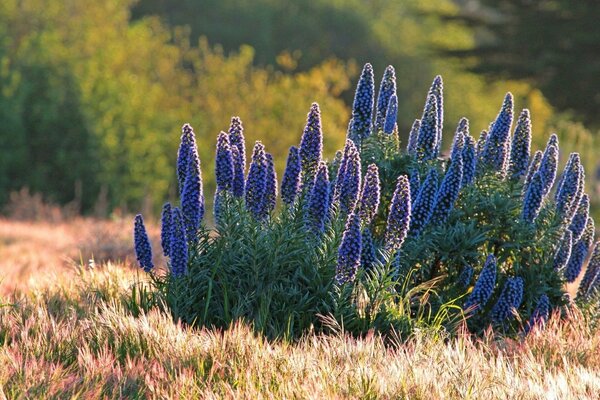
(76, 334)
(78, 337)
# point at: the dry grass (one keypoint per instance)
(31, 251)
(77, 338)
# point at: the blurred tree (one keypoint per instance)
(94, 101)
(553, 44)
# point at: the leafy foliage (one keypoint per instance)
(357, 262)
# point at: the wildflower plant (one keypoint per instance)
(386, 236)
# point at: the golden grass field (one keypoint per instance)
(67, 331)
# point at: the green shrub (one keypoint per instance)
(490, 228)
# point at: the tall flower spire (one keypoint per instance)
(318, 202)
(362, 108)
(192, 199)
(484, 287)
(350, 186)
(369, 198)
(426, 144)
(223, 163)
(398, 220)
(549, 165)
(391, 115)
(521, 146)
(469, 161)
(532, 203)
(510, 299)
(143, 249)
(437, 90)
(449, 190)
(291, 177)
(495, 153)
(424, 202)
(256, 182)
(270, 198)
(179, 244)
(387, 90)
(311, 146)
(411, 147)
(350, 250)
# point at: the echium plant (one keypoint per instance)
(387, 235)
(256, 183)
(495, 151)
(311, 146)
(362, 108)
(238, 152)
(290, 184)
(318, 202)
(143, 249)
(387, 90)
(520, 146)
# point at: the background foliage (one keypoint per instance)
(90, 91)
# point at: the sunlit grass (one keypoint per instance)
(79, 336)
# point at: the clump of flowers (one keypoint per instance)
(385, 235)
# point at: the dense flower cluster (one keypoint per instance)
(548, 166)
(567, 194)
(510, 299)
(238, 153)
(369, 198)
(424, 202)
(579, 253)
(521, 146)
(448, 192)
(318, 202)
(350, 251)
(256, 182)
(311, 146)
(387, 89)
(534, 166)
(532, 203)
(223, 163)
(165, 229)
(368, 256)
(399, 215)
(188, 140)
(238, 184)
(411, 147)
(581, 217)
(437, 90)
(391, 115)
(484, 287)
(540, 315)
(563, 253)
(414, 180)
(237, 139)
(495, 152)
(291, 177)
(350, 181)
(192, 198)
(270, 198)
(426, 142)
(469, 159)
(362, 108)
(179, 245)
(459, 141)
(143, 249)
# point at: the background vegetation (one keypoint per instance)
(92, 92)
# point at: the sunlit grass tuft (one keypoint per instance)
(80, 336)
